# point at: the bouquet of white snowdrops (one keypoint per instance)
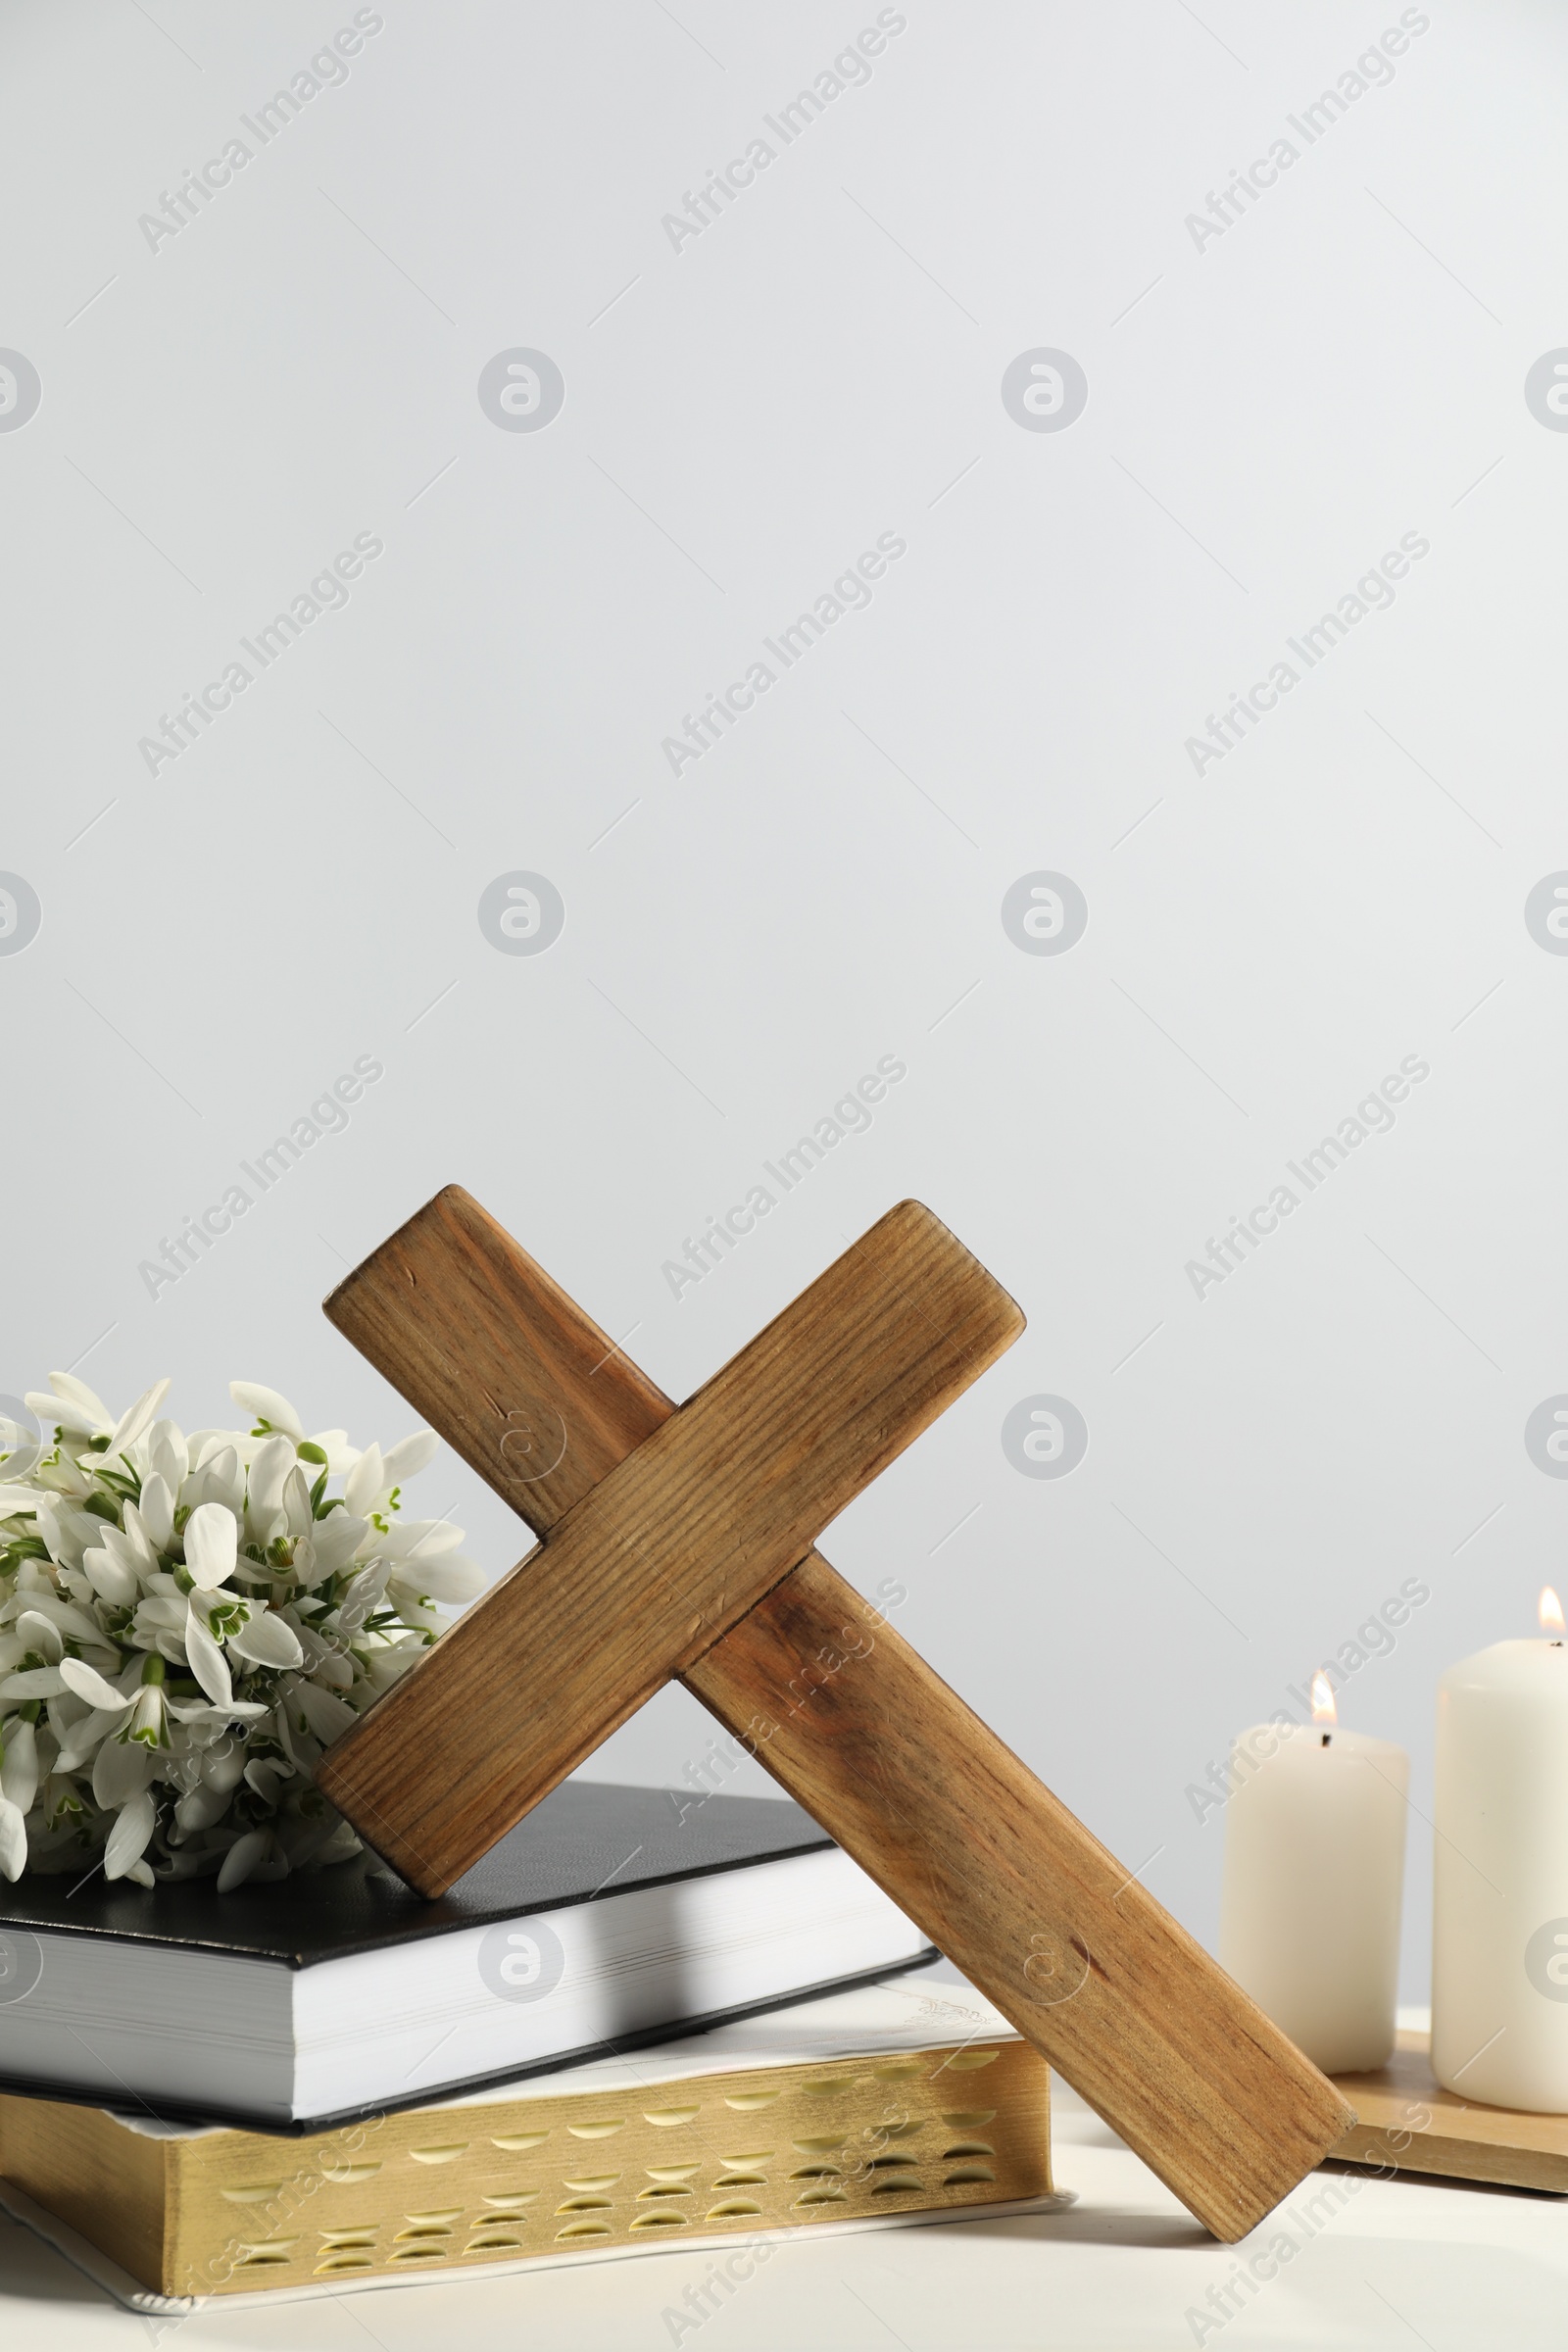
(186, 1623)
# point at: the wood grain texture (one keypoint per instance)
(1128, 2008)
(650, 1564)
(491, 1352)
(860, 1730)
(1408, 2122)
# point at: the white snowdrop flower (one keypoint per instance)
(130, 1835)
(242, 1858)
(267, 1641)
(158, 1491)
(135, 1558)
(199, 1808)
(220, 1479)
(12, 1838)
(132, 1424)
(72, 1390)
(208, 1663)
(158, 1614)
(116, 1584)
(267, 1775)
(364, 1595)
(43, 1636)
(67, 1531)
(338, 1456)
(410, 1455)
(210, 1546)
(136, 1535)
(413, 1607)
(286, 1622)
(224, 1766)
(73, 1621)
(33, 1682)
(56, 1411)
(119, 1772)
(83, 1738)
(298, 1517)
(168, 1454)
(419, 1539)
(266, 1404)
(334, 1540)
(325, 1714)
(387, 1664)
(205, 1721)
(18, 1764)
(449, 1579)
(365, 1481)
(81, 1679)
(148, 1726)
(271, 1465)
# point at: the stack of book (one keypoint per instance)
(643, 2021)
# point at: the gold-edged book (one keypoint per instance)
(863, 2108)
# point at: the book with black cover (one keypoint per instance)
(606, 1919)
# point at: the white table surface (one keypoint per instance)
(1392, 2265)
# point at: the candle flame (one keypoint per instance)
(1551, 1613)
(1324, 1709)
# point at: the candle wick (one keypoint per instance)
(1326, 1738)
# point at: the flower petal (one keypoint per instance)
(242, 1858)
(218, 1479)
(410, 1455)
(87, 1683)
(266, 1404)
(362, 1596)
(297, 1511)
(137, 1546)
(13, 1839)
(72, 1390)
(212, 1546)
(420, 1540)
(327, 1715)
(341, 1456)
(130, 1835)
(334, 1540)
(364, 1481)
(57, 1413)
(131, 1425)
(266, 1640)
(19, 1774)
(110, 1576)
(451, 1580)
(169, 1453)
(42, 1634)
(158, 1510)
(83, 1739)
(195, 1712)
(208, 1663)
(120, 1771)
(34, 1682)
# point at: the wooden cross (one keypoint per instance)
(679, 1543)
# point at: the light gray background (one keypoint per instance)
(1265, 417)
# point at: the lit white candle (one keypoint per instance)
(1315, 1872)
(1499, 1942)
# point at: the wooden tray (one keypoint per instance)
(1409, 2124)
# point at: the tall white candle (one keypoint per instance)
(1499, 1942)
(1314, 1872)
